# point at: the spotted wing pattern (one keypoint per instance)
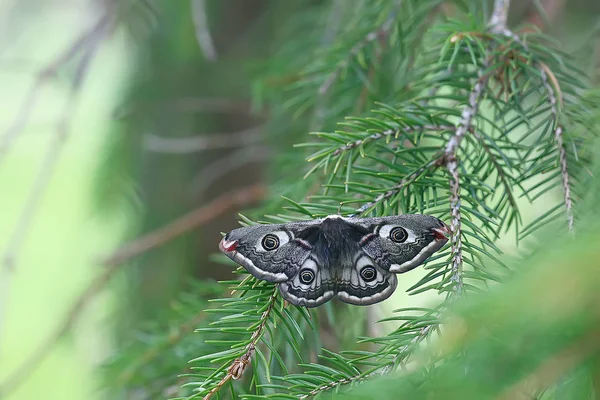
(355, 259)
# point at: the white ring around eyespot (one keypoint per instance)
(281, 235)
(312, 266)
(385, 230)
(360, 264)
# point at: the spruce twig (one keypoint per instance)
(375, 34)
(391, 133)
(237, 368)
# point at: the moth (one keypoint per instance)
(355, 259)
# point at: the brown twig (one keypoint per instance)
(184, 224)
(194, 104)
(239, 365)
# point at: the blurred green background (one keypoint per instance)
(106, 188)
(58, 256)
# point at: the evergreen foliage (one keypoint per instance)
(417, 106)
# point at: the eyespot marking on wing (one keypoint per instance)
(384, 231)
(273, 240)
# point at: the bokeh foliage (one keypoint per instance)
(394, 92)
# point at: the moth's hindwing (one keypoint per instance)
(353, 258)
(365, 282)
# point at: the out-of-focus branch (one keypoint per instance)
(203, 36)
(202, 142)
(240, 364)
(194, 104)
(544, 12)
(157, 238)
(370, 37)
(186, 223)
(86, 47)
(79, 45)
(218, 169)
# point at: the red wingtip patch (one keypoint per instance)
(228, 246)
(438, 234)
(441, 233)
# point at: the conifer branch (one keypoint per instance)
(555, 99)
(396, 189)
(153, 352)
(391, 133)
(237, 368)
(499, 16)
(558, 137)
(501, 174)
(455, 225)
(464, 125)
(332, 385)
(400, 357)
(375, 34)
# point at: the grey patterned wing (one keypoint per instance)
(313, 285)
(274, 253)
(401, 243)
(364, 282)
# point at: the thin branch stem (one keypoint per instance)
(222, 167)
(237, 368)
(391, 132)
(203, 36)
(375, 34)
(186, 223)
(555, 99)
(455, 226)
(499, 16)
(394, 190)
(206, 141)
(558, 136)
